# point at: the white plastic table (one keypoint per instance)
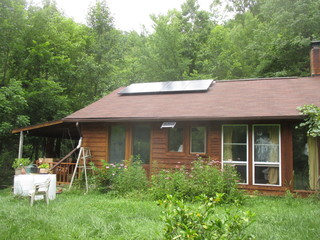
(23, 183)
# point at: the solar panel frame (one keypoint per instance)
(167, 87)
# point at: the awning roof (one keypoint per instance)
(56, 129)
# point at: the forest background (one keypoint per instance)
(51, 66)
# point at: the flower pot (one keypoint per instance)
(32, 168)
(43, 170)
(19, 171)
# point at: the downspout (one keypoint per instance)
(20, 145)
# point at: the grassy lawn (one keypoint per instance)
(98, 216)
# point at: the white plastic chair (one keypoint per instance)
(40, 189)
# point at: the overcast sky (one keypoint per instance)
(128, 14)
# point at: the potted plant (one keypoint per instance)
(44, 168)
(19, 165)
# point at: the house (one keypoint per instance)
(248, 123)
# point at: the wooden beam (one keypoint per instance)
(41, 125)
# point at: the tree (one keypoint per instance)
(12, 24)
(163, 58)
(237, 6)
(291, 25)
(12, 108)
(312, 120)
(195, 28)
(105, 50)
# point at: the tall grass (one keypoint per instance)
(74, 216)
(284, 218)
(100, 216)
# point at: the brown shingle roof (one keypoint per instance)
(234, 99)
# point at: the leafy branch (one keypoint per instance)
(312, 120)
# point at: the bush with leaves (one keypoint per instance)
(169, 183)
(132, 177)
(120, 178)
(204, 177)
(105, 175)
(188, 222)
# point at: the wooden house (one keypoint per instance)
(248, 123)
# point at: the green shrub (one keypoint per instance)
(132, 177)
(187, 222)
(120, 178)
(104, 176)
(204, 177)
(169, 183)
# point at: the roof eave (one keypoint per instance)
(181, 118)
(55, 129)
(36, 126)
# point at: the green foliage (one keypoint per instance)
(187, 222)
(169, 183)
(205, 177)
(104, 176)
(132, 178)
(47, 97)
(21, 162)
(312, 120)
(12, 106)
(44, 165)
(122, 178)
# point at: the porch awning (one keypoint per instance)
(55, 129)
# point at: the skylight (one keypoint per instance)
(168, 124)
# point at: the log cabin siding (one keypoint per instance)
(95, 136)
(171, 160)
(287, 155)
(214, 141)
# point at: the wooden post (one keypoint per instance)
(20, 145)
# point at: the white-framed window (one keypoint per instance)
(198, 139)
(235, 149)
(266, 154)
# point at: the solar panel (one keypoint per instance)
(167, 87)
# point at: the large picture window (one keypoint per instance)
(235, 149)
(266, 154)
(198, 140)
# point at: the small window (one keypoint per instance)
(198, 140)
(141, 143)
(117, 144)
(176, 140)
